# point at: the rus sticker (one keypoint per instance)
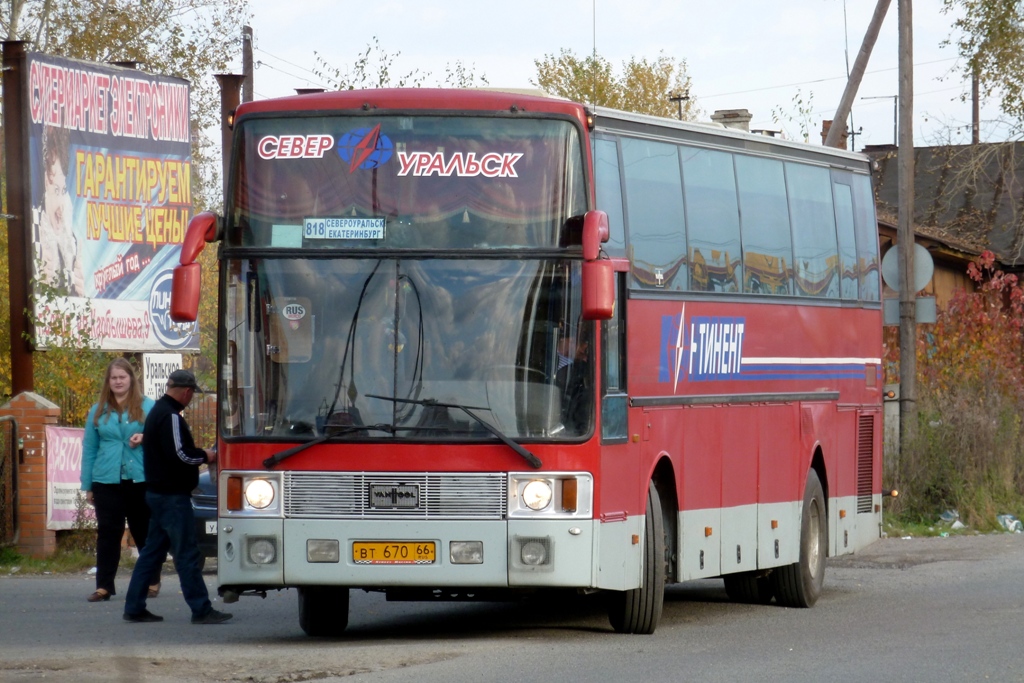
(343, 228)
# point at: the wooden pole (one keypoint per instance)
(19, 205)
(838, 130)
(905, 229)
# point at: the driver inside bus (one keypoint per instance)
(574, 378)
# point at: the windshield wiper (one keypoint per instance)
(468, 410)
(348, 429)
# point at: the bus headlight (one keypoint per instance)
(537, 494)
(259, 493)
(551, 495)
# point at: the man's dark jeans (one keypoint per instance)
(172, 528)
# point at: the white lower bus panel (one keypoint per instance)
(515, 553)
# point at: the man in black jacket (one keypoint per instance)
(171, 460)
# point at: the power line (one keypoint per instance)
(287, 73)
(820, 80)
(281, 59)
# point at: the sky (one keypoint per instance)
(741, 54)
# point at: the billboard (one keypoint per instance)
(110, 168)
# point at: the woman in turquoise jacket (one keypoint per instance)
(112, 473)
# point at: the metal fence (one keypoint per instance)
(70, 407)
(201, 415)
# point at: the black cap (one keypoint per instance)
(184, 379)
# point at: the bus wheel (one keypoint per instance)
(799, 584)
(749, 587)
(639, 610)
(323, 611)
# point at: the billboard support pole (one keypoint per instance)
(230, 84)
(18, 206)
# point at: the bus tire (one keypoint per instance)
(753, 588)
(799, 584)
(639, 610)
(323, 610)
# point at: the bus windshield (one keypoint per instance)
(364, 347)
(406, 182)
(403, 261)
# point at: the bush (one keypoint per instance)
(968, 454)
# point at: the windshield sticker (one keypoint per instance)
(491, 165)
(365, 148)
(343, 228)
(294, 313)
(286, 236)
(294, 146)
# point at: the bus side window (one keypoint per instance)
(867, 239)
(712, 220)
(764, 221)
(614, 399)
(654, 206)
(608, 186)
(815, 253)
(848, 272)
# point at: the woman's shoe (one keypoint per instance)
(154, 591)
(99, 595)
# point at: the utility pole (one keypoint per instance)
(838, 130)
(905, 229)
(247, 64)
(975, 108)
(679, 99)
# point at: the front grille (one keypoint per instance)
(205, 502)
(346, 495)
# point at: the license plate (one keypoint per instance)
(394, 552)
(211, 528)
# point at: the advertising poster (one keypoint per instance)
(110, 163)
(63, 478)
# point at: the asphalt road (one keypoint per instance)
(930, 610)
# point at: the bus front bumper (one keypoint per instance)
(276, 553)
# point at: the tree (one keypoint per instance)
(801, 115)
(643, 86)
(990, 43)
(373, 68)
(190, 39)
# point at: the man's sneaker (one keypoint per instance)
(143, 617)
(211, 617)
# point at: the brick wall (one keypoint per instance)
(32, 413)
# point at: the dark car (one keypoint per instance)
(204, 505)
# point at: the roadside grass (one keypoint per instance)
(894, 527)
(75, 554)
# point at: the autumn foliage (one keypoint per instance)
(969, 452)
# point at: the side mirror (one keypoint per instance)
(598, 290)
(201, 229)
(598, 275)
(595, 233)
(187, 278)
(185, 287)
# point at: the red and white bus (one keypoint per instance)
(479, 343)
